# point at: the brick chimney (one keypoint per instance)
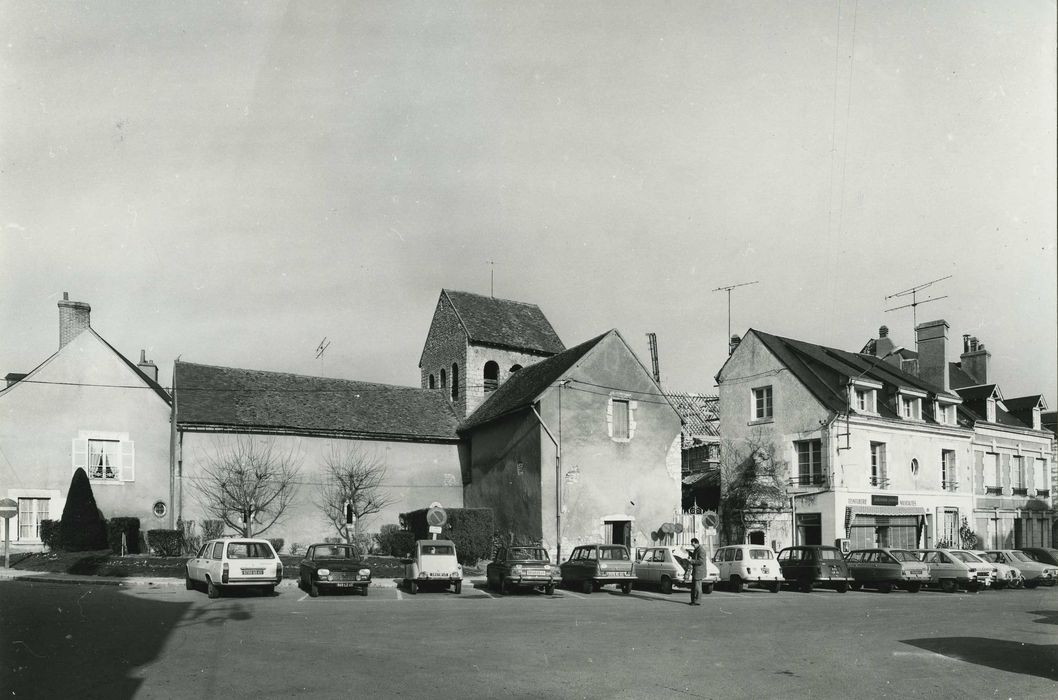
(932, 338)
(733, 343)
(73, 318)
(974, 359)
(147, 366)
(884, 345)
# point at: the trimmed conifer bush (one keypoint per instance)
(82, 526)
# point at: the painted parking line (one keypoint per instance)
(571, 594)
(400, 596)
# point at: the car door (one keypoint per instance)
(855, 564)
(646, 569)
(194, 566)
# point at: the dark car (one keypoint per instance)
(522, 567)
(1044, 555)
(809, 565)
(886, 569)
(592, 566)
(333, 567)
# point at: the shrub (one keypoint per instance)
(130, 527)
(192, 542)
(51, 534)
(277, 543)
(83, 528)
(471, 529)
(212, 529)
(393, 541)
(166, 543)
(295, 548)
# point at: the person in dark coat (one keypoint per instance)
(697, 570)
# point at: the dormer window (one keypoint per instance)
(910, 404)
(864, 396)
(945, 412)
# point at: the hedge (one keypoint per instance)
(130, 527)
(166, 543)
(471, 530)
(51, 534)
(395, 542)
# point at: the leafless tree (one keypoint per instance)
(752, 479)
(248, 482)
(353, 476)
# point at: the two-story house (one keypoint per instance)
(86, 406)
(871, 454)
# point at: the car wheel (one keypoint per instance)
(626, 587)
(314, 590)
(736, 584)
(707, 588)
(947, 585)
(775, 586)
(666, 585)
(211, 589)
(914, 587)
(587, 587)
(457, 587)
(843, 587)
(188, 583)
(413, 587)
(806, 586)
(549, 589)
(856, 585)
(885, 587)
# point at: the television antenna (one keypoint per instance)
(322, 347)
(913, 291)
(728, 290)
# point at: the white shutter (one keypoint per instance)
(80, 454)
(128, 461)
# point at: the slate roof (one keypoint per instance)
(209, 396)
(1024, 403)
(504, 323)
(958, 377)
(978, 393)
(825, 371)
(524, 386)
(699, 414)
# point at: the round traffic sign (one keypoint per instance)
(436, 516)
(8, 508)
(667, 528)
(710, 519)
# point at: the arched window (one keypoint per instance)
(432, 382)
(444, 383)
(492, 376)
(455, 381)
(515, 368)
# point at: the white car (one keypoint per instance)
(669, 567)
(1007, 576)
(433, 564)
(973, 560)
(742, 564)
(236, 562)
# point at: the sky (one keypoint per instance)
(231, 183)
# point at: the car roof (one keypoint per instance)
(433, 542)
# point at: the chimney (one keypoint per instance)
(73, 318)
(884, 345)
(974, 359)
(147, 366)
(735, 340)
(932, 339)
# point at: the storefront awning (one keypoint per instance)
(892, 511)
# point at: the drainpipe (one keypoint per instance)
(558, 477)
(172, 454)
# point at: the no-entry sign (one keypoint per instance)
(8, 508)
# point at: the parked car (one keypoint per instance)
(668, 567)
(1044, 555)
(886, 569)
(333, 567)
(433, 565)
(951, 573)
(1007, 576)
(592, 566)
(745, 564)
(809, 565)
(234, 563)
(971, 558)
(1033, 572)
(522, 567)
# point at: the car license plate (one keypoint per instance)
(344, 584)
(252, 572)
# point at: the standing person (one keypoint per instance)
(697, 570)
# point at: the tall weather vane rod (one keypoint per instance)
(913, 291)
(728, 290)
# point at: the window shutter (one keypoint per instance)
(128, 461)
(979, 471)
(80, 454)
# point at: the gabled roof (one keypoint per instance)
(209, 396)
(1025, 403)
(825, 371)
(979, 392)
(524, 386)
(504, 323)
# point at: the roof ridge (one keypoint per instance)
(494, 298)
(307, 376)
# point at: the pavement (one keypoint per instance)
(161, 581)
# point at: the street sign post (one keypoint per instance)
(8, 510)
(435, 518)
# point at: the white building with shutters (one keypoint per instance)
(85, 406)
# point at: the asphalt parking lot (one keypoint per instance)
(99, 641)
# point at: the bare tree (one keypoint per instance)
(353, 478)
(752, 480)
(248, 483)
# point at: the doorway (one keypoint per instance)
(756, 537)
(618, 532)
(810, 528)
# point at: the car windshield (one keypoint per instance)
(528, 554)
(831, 554)
(761, 554)
(903, 555)
(336, 551)
(438, 549)
(966, 557)
(249, 550)
(1020, 556)
(613, 553)
(989, 557)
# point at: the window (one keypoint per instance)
(514, 368)
(947, 470)
(910, 407)
(491, 376)
(159, 509)
(444, 380)
(105, 457)
(30, 512)
(993, 482)
(1017, 475)
(620, 418)
(945, 413)
(914, 467)
(455, 381)
(878, 467)
(1042, 477)
(809, 462)
(433, 382)
(864, 400)
(762, 403)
